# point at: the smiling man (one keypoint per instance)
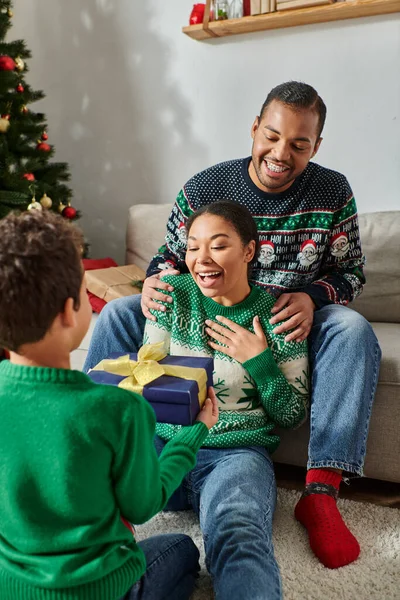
(306, 216)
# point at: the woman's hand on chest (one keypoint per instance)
(236, 341)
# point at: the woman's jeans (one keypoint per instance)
(233, 492)
(345, 358)
(172, 568)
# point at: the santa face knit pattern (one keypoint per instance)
(268, 390)
(309, 236)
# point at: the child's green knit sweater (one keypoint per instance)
(268, 390)
(74, 458)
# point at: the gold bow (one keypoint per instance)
(146, 369)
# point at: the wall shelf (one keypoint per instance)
(351, 9)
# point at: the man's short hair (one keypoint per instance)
(40, 267)
(298, 96)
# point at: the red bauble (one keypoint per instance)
(7, 63)
(28, 176)
(44, 136)
(43, 147)
(5, 117)
(69, 212)
(20, 88)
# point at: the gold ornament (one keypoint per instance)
(45, 201)
(10, 13)
(61, 207)
(24, 109)
(4, 125)
(19, 63)
(34, 205)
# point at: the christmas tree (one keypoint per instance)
(28, 180)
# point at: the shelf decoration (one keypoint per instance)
(280, 16)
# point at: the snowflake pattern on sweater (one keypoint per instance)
(268, 390)
(309, 235)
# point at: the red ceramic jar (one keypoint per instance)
(197, 14)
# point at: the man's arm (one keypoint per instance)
(170, 256)
(342, 277)
(172, 252)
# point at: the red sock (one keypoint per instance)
(330, 539)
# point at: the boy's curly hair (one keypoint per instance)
(40, 267)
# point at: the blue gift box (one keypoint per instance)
(173, 399)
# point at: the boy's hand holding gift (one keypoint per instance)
(209, 413)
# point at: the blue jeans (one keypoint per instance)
(233, 492)
(345, 358)
(172, 568)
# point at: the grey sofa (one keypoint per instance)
(379, 303)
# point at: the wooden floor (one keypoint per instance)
(382, 493)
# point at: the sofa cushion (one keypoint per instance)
(145, 232)
(380, 234)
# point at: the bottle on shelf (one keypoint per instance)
(236, 9)
(219, 10)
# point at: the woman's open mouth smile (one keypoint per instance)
(208, 279)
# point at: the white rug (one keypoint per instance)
(374, 576)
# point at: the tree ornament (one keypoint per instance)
(69, 212)
(6, 63)
(28, 176)
(45, 201)
(34, 205)
(44, 136)
(20, 88)
(43, 147)
(10, 13)
(19, 64)
(24, 109)
(61, 207)
(4, 124)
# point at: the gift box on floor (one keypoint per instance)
(175, 386)
(115, 282)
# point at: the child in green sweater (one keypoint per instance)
(261, 381)
(78, 462)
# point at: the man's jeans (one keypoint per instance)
(233, 492)
(172, 568)
(345, 358)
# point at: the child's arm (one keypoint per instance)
(143, 482)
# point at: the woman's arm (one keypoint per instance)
(283, 387)
(160, 330)
(280, 372)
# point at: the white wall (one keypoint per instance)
(136, 107)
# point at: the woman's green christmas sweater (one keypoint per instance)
(268, 390)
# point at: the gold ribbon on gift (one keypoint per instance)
(146, 369)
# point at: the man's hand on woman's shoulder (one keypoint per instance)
(151, 294)
(298, 308)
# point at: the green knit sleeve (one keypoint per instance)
(160, 330)
(282, 386)
(143, 482)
